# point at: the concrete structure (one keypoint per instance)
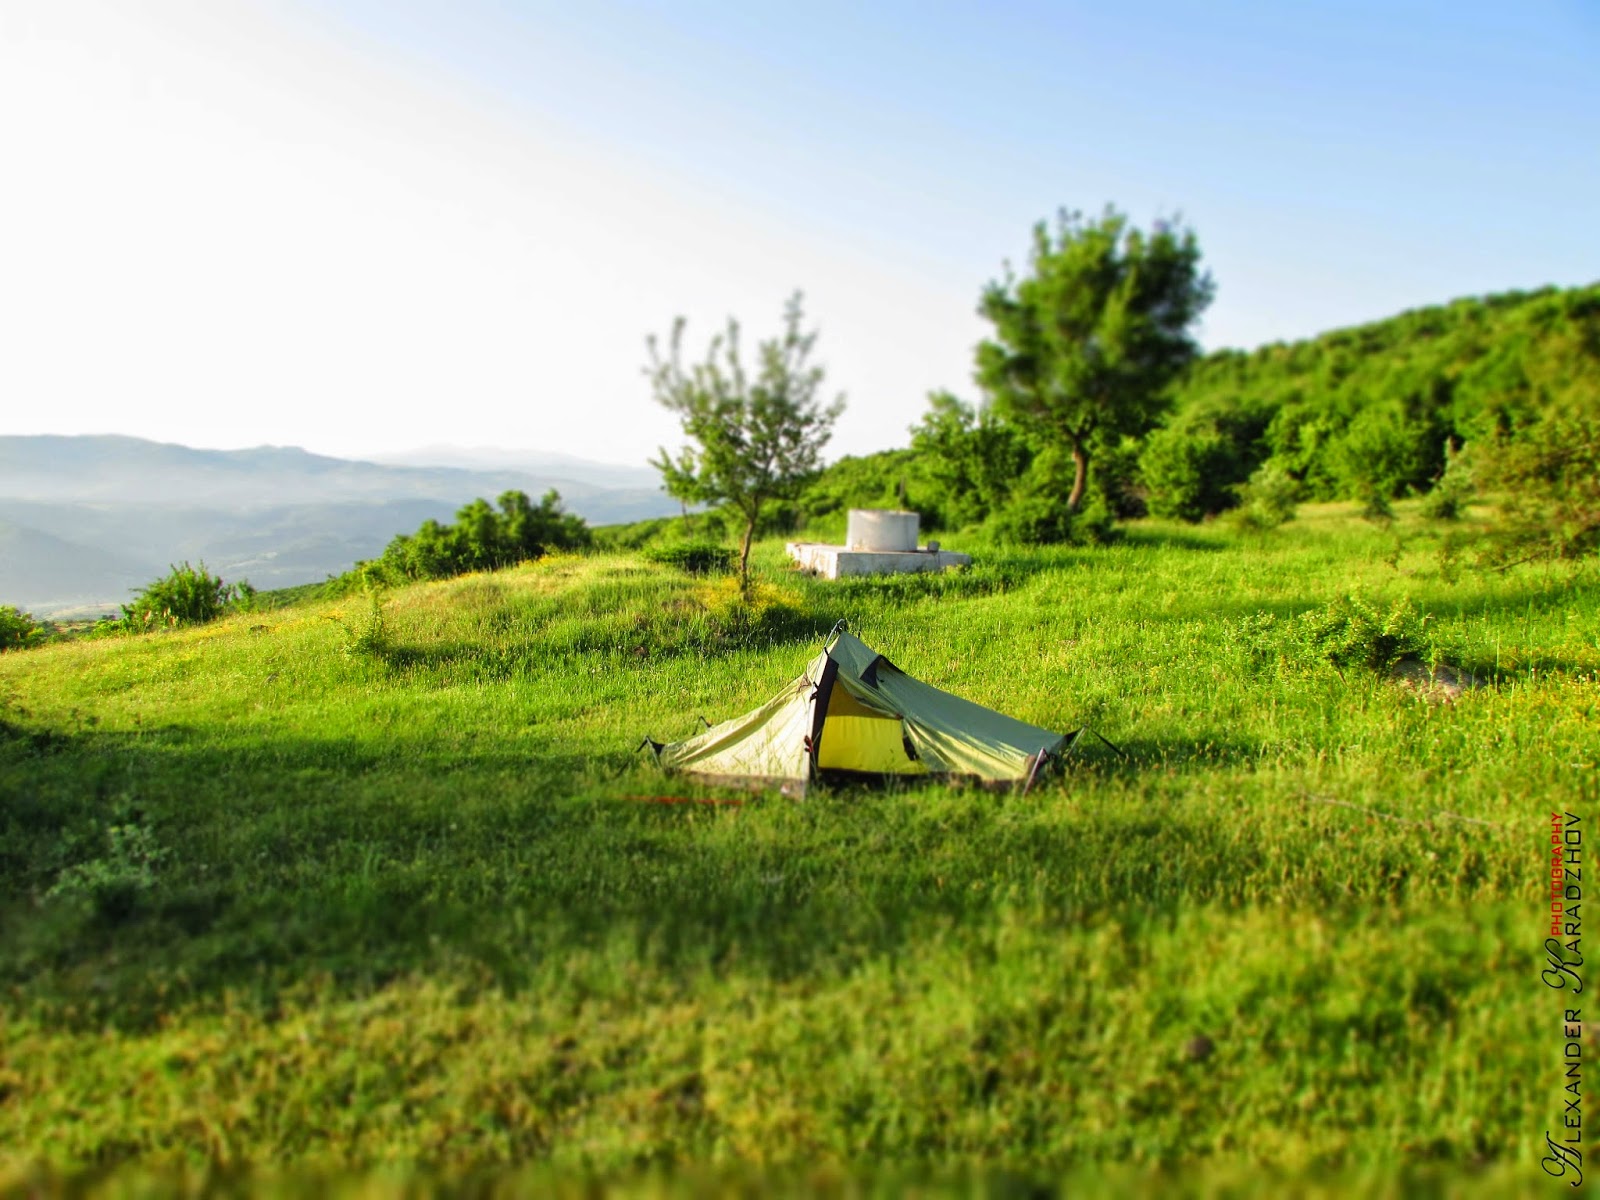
(881, 529)
(877, 542)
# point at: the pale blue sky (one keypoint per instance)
(1310, 145)
(489, 205)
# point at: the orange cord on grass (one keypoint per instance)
(730, 803)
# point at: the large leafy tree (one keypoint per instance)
(1087, 344)
(753, 438)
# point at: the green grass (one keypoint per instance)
(271, 892)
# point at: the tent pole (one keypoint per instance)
(1033, 772)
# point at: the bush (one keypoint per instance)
(1190, 472)
(1115, 475)
(970, 459)
(368, 636)
(1375, 506)
(126, 866)
(17, 629)
(485, 538)
(1350, 632)
(1037, 513)
(1382, 452)
(1548, 476)
(187, 596)
(695, 558)
(1268, 500)
(1448, 498)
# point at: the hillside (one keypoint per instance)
(1370, 409)
(1349, 414)
(90, 518)
(298, 892)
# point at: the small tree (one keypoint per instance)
(1086, 346)
(753, 440)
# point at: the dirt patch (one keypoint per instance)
(1442, 684)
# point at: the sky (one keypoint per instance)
(364, 226)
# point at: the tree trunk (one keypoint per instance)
(1080, 476)
(744, 554)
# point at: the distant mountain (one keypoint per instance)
(491, 458)
(57, 571)
(84, 520)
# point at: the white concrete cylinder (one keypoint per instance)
(881, 529)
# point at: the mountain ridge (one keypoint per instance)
(92, 517)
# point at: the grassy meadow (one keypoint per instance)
(325, 893)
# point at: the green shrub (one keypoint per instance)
(964, 463)
(1117, 478)
(368, 635)
(1347, 633)
(1037, 515)
(187, 596)
(1548, 480)
(1351, 632)
(125, 864)
(695, 558)
(484, 538)
(1375, 505)
(1383, 452)
(1451, 492)
(1190, 472)
(1268, 500)
(17, 629)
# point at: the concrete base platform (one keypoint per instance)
(831, 562)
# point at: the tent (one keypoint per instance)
(854, 714)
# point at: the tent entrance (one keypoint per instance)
(859, 738)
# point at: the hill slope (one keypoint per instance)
(289, 895)
(1369, 410)
(1350, 413)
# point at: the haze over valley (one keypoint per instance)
(85, 520)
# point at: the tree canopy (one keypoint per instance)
(1087, 344)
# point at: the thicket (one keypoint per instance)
(1373, 413)
(966, 467)
(483, 538)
